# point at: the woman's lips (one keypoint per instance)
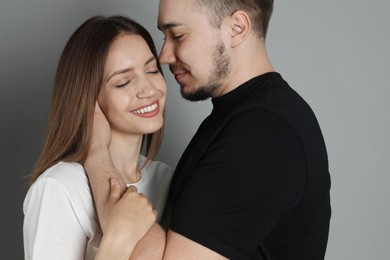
(149, 110)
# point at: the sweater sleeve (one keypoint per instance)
(51, 228)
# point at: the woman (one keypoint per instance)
(109, 64)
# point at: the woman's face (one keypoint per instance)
(133, 92)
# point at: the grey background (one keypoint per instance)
(334, 53)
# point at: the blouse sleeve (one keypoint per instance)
(51, 229)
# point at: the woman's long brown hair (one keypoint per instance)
(77, 84)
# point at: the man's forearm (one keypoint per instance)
(151, 246)
(100, 170)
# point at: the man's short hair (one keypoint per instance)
(259, 11)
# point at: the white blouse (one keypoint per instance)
(60, 220)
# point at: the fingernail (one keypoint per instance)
(112, 181)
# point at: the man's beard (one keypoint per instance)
(221, 63)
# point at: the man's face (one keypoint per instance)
(193, 49)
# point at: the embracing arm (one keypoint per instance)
(151, 246)
(180, 247)
(100, 170)
(123, 225)
(116, 242)
(99, 166)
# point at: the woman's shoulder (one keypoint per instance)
(64, 181)
(65, 171)
(69, 175)
(62, 188)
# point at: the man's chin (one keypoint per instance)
(197, 95)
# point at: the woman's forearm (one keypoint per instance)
(150, 247)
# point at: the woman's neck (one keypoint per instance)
(125, 152)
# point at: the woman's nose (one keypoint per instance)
(146, 89)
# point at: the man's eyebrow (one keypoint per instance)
(168, 26)
(129, 68)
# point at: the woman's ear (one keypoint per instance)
(240, 27)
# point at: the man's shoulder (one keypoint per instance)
(274, 96)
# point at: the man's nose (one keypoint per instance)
(167, 55)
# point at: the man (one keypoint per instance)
(253, 183)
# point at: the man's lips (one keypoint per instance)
(179, 74)
(178, 71)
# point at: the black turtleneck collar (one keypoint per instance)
(226, 99)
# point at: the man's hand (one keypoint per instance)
(99, 166)
(129, 218)
(101, 133)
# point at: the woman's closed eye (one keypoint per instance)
(153, 72)
(123, 85)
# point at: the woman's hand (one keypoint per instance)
(129, 217)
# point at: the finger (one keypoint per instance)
(132, 188)
(115, 191)
(97, 108)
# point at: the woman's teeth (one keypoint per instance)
(146, 109)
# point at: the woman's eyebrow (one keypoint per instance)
(119, 72)
(129, 68)
(150, 60)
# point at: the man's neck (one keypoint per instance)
(247, 61)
